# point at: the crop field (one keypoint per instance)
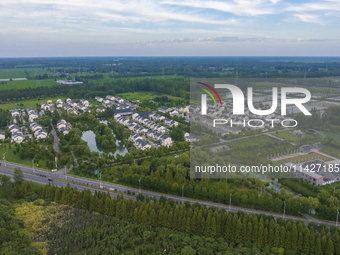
(145, 95)
(29, 103)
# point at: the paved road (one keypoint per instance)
(121, 188)
(56, 139)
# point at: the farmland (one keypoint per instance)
(144, 95)
(19, 72)
(26, 84)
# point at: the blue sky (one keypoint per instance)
(44, 28)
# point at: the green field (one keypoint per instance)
(29, 103)
(308, 138)
(10, 157)
(257, 140)
(19, 72)
(26, 84)
(331, 151)
(145, 95)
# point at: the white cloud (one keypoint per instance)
(237, 7)
(309, 18)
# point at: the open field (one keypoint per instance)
(331, 151)
(19, 72)
(257, 140)
(26, 84)
(10, 157)
(29, 103)
(308, 138)
(145, 95)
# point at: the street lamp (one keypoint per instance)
(139, 185)
(182, 193)
(5, 158)
(230, 203)
(65, 173)
(337, 214)
(284, 209)
(33, 164)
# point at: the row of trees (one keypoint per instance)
(237, 228)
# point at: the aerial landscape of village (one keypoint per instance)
(170, 127)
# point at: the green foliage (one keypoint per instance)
(13, 239)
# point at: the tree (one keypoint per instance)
(18, 177)
(6, 186)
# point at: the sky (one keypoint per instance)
(62, 28)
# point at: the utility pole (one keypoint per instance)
(230, 203)
(337, 214)
(5, 158)
(33, 164)
(139, 185)
(182, 193)
(65, 173)
(100, 180)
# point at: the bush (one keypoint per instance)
(31, 196)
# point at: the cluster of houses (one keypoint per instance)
(17, 134)
(32, 114)
(73, 107)
(226, 112)
(174, 111)
(16, 114)
(38, 131)
(148, 123)
(149, 130)
(46, 107)
(117, 102)
(63, 126)
(166, 121)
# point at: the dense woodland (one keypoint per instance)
(125, 226)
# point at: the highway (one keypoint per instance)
(81, 184)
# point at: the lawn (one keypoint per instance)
(29, 103)
(308, 138)
(26, 84)
(10, 157)
(145, 95)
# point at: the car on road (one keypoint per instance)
(50, 179)
(54, 170)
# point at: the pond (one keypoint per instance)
(90, 138)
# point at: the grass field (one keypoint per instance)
(29, 103)
(19, 72)
(10, 157)
(331, 151)
(26, 84)
(145, 95)
(257, 140)
(308, 138)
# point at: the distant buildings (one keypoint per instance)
(69, 82)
